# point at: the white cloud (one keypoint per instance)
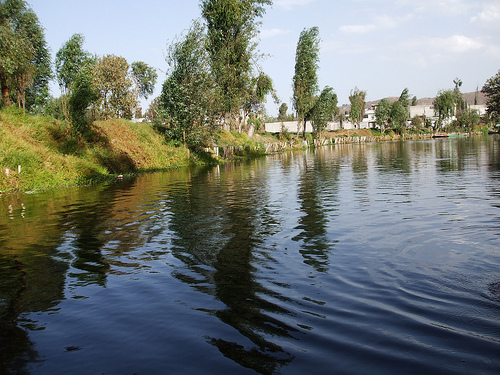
(265, 34)
(461, 44)
(357, 29)
(490, 14)
(379, 23)
(449, 8)
(423, 52)
(289, 4)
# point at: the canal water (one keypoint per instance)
(351, 259)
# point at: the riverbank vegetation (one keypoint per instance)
(39, 152)
(211, 104)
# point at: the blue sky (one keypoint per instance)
(379, 46)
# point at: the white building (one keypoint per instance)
(368, 119)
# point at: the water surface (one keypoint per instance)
(365, 259)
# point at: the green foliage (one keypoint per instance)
(393, 114)
(186, 101)
(24, 57)
(83, 94)
(50, 155)
(305, 79)
(445, 105)
(399, 114)
(492, 91)
(231, 29)
(357, 111)
(111, 78)
(69, 60)
(256, 92)
(325, 109)
(467, 118)
(145, 77)
(282, 112)
(417, 122)
(382, 114)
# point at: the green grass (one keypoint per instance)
(51, 155)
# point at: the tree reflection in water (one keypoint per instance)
(317, 194)
(222, 252)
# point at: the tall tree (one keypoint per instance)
(69, 60)
(83, 95)
(114, 82)
(400, 110)
(491, 90)
(145, 77)
(305, 79)
(357, 111)
(383, 114)
(24, 57)
(255, 98)
(231, 31)
(460, 103)
(187, 99)
(282, 112)
(445, 105)
(325, 109)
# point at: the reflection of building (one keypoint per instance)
(426, 111)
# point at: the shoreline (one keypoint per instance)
(39, 153)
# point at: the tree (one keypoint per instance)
(417, 122)
(282, 112)
(187, 99)
(400, 110)
(382, 114)
(325, 109)
(145, 77)
(253, 104)
(491, 90)
(460, 103)
(114, 83)
(82, 95)
(468, 118)
(231, 30)
(24, 57)
(357, 111)
(445, 104)
(305, 79)
(69, 60)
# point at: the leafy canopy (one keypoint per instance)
(24, 57)
(325, 109)
(69, 60)
(146, 77)
(305, 79)
(113, 81)
(357, 100)
(492, 91)
(231, 31)
(186, 101)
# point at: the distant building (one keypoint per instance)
(369, 119)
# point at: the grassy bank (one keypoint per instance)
(50, 155)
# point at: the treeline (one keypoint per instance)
(92, 87)
(213, 82)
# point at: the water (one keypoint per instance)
(354, 259)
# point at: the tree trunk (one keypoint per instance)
(5, 89)
(227, 122)
(251, 130)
